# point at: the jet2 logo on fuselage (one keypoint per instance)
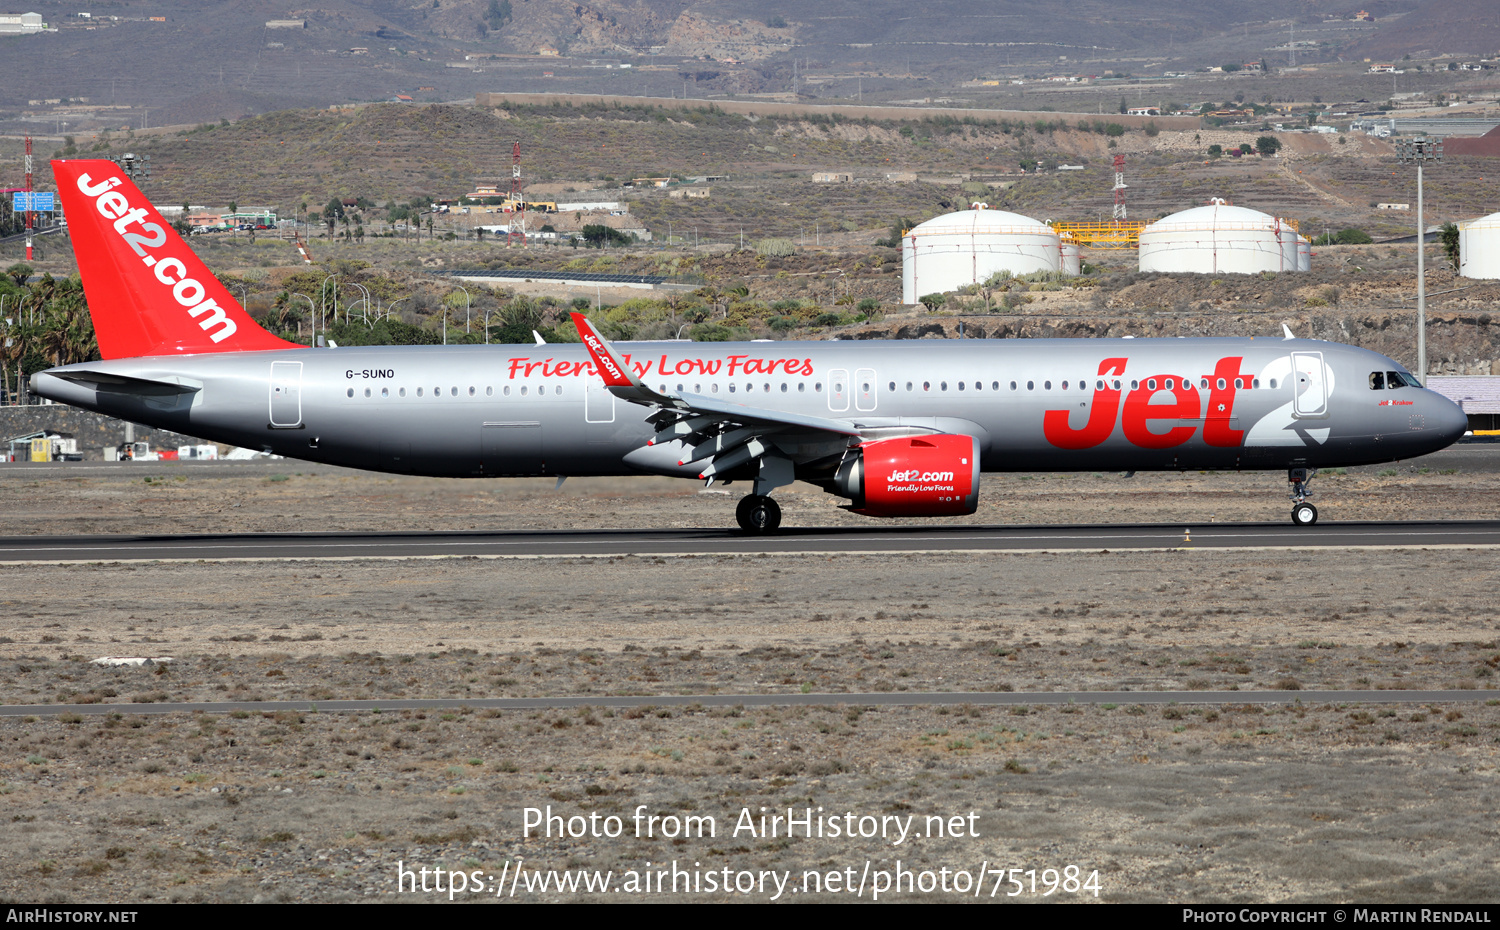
(1138, 412)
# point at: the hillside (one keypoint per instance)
(1437, 27)
(296, 160)
(157, 62)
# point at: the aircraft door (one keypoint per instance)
(598, 402)
(838, 389)
(865, 388)
(286, 395)
(1309, 385)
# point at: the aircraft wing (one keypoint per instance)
(725, 434)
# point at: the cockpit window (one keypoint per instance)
(1377, 381)
(1396, 379)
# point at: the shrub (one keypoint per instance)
(775, 248)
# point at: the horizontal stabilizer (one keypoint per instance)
(122, 384)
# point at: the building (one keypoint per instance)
(15, 24)
(832, 177)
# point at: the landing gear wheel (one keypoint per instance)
(1304, 514)
(758, 514)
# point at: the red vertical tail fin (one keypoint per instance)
(148, 293)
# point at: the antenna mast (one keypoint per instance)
(1119, 188)
(30, 197)
(517, 228)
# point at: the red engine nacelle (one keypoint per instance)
(915, 476)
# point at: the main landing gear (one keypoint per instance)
(1303, 513)
(758, 514)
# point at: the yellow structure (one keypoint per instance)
(1108, 234)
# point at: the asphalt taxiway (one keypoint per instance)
(698, 542)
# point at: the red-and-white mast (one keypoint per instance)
(1119, 187)
(517, 225)
(30, 203)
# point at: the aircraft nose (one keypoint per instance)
(1446, 418)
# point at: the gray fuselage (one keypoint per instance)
(1035, 405)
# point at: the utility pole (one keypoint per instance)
(1418, 151)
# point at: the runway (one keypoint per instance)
(698, 542)
(868, 699)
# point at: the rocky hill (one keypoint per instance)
(1437, 27)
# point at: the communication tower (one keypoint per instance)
(30, 195)
(1120, 187)
(517, 224)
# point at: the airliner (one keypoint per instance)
(896, 428)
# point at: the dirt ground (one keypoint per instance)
(1227, 802)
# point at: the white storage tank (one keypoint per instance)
(1304, 253)
(1072, 258)
(1219, 238)
(958, 249)
(1479, 247)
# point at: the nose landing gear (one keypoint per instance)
(758, 514)
(1303, 513)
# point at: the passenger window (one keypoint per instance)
(385, 392)
(471, 390)
(419, 392)
(926, 385)
(367, 392)
(403, 392)
(1046, 385)
(489, 390)
(1030, 385)
(523, 390)
(1377, 381)
(943, 386)
(960, 385)
(351, 392)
